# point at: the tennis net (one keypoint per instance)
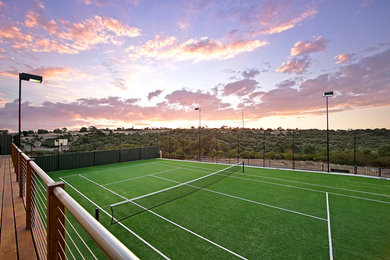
(129, 208)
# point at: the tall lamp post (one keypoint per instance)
(326, 95)
(26, 77)
(198, 109)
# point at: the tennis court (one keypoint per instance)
(223, 212)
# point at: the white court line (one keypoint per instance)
(148, 175)
(110, 169)
(329, 230)
(170, 221)
(247, 200)
(300, 188)
(125, 227)
(305, 183)
(286, 169)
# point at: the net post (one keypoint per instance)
(28, 195)
(54, 220)
(97, 214)
(243, 166)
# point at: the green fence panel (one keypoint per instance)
(48, 163)
(76, 160)
(106, 157)
(66, 161)
(149, 153)
(5, 144)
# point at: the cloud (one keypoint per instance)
(104, 3)
(273, 27)
(154, 93)
(341, 58)
(362, 84)
(13, 33)
(273, 16)
(250, 73)
(295, 65)
(34, 19)
(305, 47)
(66, 37)
(240, 87)
(196, 50)
(96, 30)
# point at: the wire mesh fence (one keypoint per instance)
(365, 152)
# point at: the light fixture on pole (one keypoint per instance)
(26, 77)
(326, 95)
(200, 126)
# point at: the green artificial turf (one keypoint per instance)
(261, 213)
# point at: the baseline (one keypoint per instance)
(305, 183)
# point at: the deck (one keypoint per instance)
(15, 240)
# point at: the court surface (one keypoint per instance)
(259, 213)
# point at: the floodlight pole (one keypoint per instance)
(326, 95)
(200, 126)
(20, 108)
(27, 77)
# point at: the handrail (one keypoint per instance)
(103, 238)
(45, 178)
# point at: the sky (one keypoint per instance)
(141, 63)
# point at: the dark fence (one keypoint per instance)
(5, 144)
(67, 161)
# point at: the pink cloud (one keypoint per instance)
(289, 24)
(34, 19)
(341, 58)
(66, 37)
(154, 93)
(295, 65)
(276, 16)
(362, 84)
(13, 33)
(241, 87)
(305, 47)
(196, 50)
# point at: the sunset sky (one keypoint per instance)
(143, 63)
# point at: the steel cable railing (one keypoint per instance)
(60, 227)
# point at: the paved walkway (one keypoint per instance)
(15, 240)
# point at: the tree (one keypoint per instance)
(64, 130)
(384, 150)
(83, 129)
(92, 129)
(42, 131)
(57, 131)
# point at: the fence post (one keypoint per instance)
(28, 195)
(380, 172)
(55, 223)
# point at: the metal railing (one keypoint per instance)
(52, 214)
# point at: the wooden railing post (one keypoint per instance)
(55, 224)
(28, 195)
